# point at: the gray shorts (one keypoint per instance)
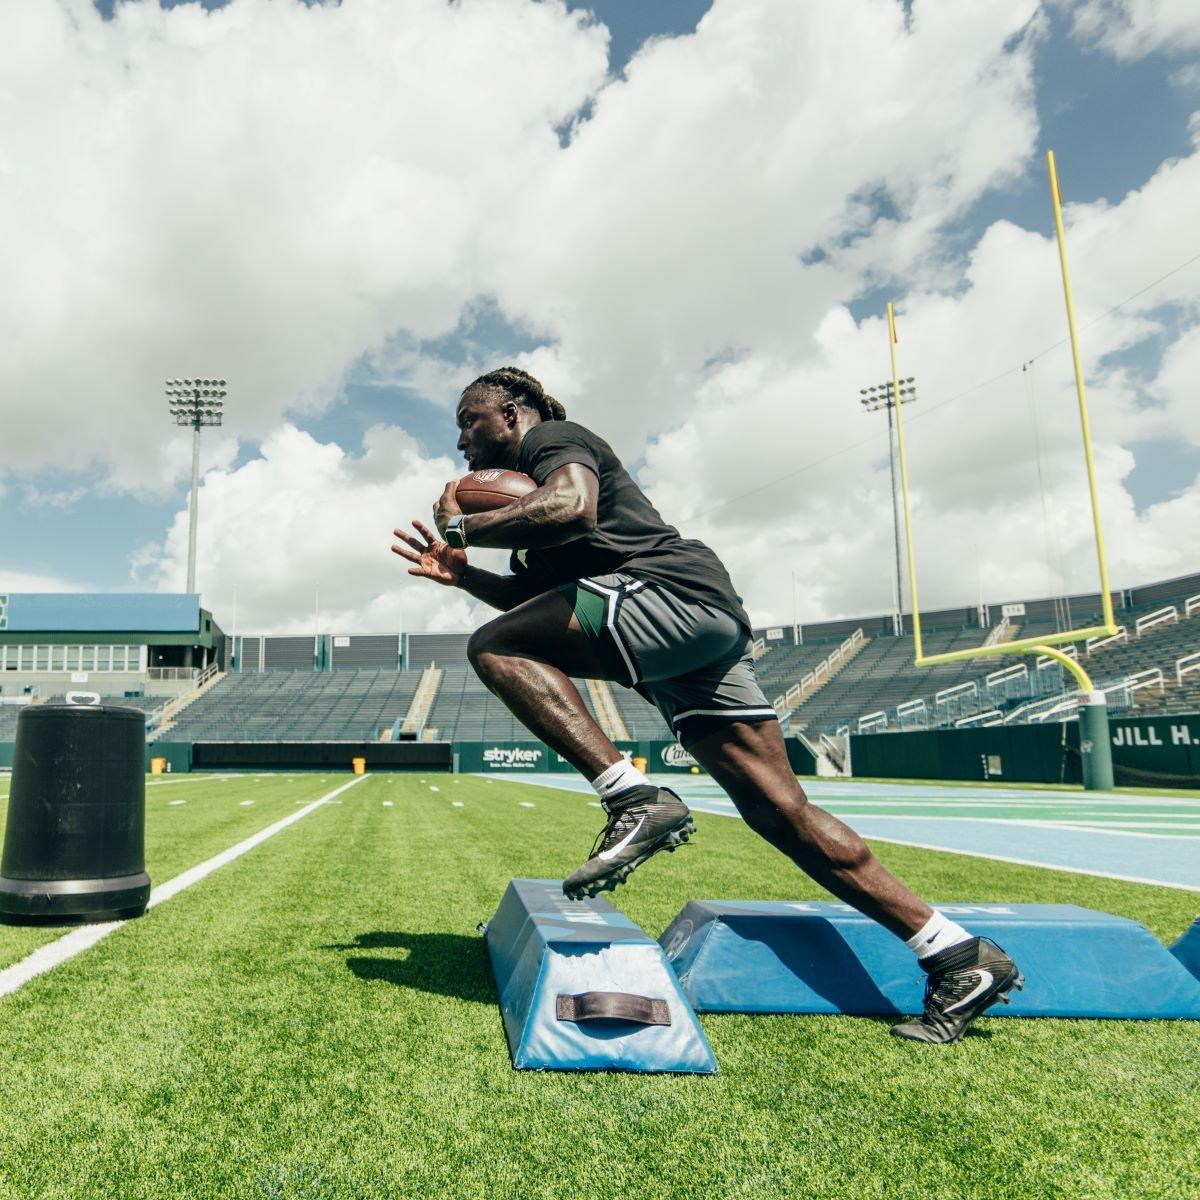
(692, 661)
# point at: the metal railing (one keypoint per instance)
(1037, 710)
(1189, 664)
(1096, 643)
(963, 697)
(1009, 681)
(912, 715)
(1191, 606)
(1161, 616)
(1044, 660)
(790, 700)
(1151, 677)
(1069, 705)
(835, 751)
(997, 635)
(993, 716)
(873, 721)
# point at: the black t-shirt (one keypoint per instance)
(629, 534)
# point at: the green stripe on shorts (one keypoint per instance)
(587, 606)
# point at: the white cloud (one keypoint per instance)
(978, 496)
(263, 192)
(307, 517)
(36, 581)
(1134, 28)
(277, 192)
(674, 227)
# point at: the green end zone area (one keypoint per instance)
(318, 1019)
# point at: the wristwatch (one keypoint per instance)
(456, 532)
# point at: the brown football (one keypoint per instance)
(482, 491)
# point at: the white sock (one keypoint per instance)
(618, 778)
(937, 934)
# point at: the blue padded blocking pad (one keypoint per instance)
(824, 957)
(1187, 949)
(543, 945)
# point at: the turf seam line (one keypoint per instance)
(53, 954)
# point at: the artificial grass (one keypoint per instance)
(214, 814)
(318, 1020)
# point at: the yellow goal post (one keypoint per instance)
(1032, 645)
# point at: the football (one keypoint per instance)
(483, 491)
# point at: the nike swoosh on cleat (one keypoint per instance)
(607, 855)
(986, 978)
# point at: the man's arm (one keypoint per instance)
(500, 591)
(433, 559)
(561, 510)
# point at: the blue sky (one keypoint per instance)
(1113, 122)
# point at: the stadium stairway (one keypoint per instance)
(173, 708)
(422, 702)
(605, 707)
(804, 670)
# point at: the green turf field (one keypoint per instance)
(317, 1019)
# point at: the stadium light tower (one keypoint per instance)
(873, 399)
(195, 403)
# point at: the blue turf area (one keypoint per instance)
(1144, 838)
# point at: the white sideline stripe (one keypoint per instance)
(46, 958)
(1033, 862)
(1108, 827)
(1004, 858)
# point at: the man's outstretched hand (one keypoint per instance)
(432, 558)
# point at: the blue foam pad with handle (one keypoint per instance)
(564, 968)
(824, 957)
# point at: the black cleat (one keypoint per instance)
(641, 822)
(964, 981)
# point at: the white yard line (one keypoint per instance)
(46, 958)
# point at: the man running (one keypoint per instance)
(601, 587)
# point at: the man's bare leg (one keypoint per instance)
(750, 762)
(642, 819)
(535, 684)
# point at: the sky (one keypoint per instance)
(686, 218)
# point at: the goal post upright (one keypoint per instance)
(1095, 747)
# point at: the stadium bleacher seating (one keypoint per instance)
(882, 675)
(1159, 647)
(10, 712)
(641, 718)
(465, 710)
(298, 706)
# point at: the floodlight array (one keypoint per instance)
(883, 395)
(196, 402)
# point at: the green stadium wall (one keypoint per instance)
(1147, 752)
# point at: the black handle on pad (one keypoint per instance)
(612, 1006)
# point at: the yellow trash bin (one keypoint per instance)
(640, 764)
(360, 765)
(158, 766)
